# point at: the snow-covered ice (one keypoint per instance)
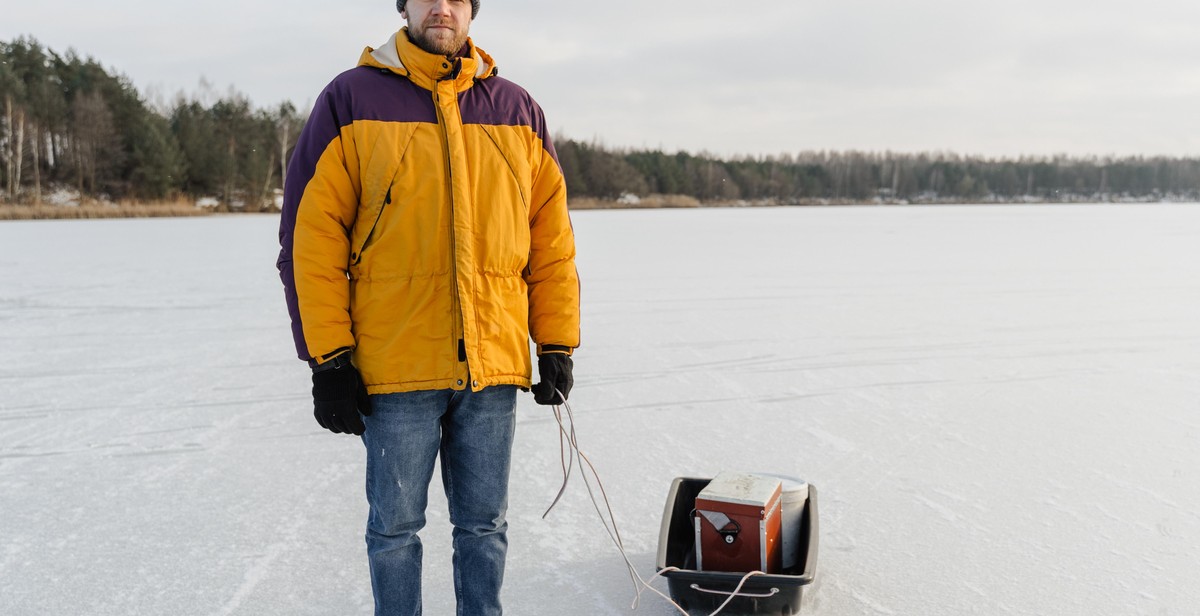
(999, 405)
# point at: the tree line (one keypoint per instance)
(66, 121)
(865, 177)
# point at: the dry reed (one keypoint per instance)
(100, 210)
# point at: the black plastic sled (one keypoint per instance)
(702, 592)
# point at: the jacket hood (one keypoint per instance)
(402, 57)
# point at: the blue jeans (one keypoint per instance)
(474, 433)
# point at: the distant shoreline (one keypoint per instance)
(186, 210)
(652, 203)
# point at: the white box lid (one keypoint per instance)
(741, 488)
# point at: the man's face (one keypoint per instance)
(438, 26)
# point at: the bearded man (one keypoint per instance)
(424, 241)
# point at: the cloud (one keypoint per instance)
(1019, 76)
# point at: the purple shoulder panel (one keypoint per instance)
(379, 94)
(498, 102)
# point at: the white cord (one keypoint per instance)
(567, 454)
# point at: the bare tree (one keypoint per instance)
(287, 127)
(93, 134)
(35, 138)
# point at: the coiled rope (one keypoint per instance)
(570, 455)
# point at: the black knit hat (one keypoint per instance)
(474, 7)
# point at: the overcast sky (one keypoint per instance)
(729, 76)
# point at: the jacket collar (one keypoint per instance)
(402, 57)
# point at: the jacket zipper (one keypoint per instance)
(455, 308)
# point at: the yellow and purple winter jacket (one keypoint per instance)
(425, 225)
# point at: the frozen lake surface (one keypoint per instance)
(999, 405)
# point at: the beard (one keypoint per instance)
(435, 41)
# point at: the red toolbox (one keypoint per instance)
(738, 524)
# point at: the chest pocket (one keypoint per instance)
(379, 179)
(516, 168)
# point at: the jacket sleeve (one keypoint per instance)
(551, 276)
(320, 202)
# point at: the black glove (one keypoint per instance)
(339, 396)
(555, 370)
